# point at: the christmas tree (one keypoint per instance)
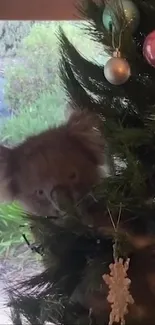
(122, 95)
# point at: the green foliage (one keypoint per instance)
(11, 34)
(83, 42)
(47, 111)
(10, 221)
(37, 71)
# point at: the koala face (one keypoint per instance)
(64, 158)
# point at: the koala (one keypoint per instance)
(65, 157)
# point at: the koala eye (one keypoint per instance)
(40, 193)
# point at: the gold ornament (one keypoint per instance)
(117, 70)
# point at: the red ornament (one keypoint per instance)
(149, 48)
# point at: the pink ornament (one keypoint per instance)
(149, 48)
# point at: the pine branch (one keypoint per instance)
(77, 95)
(92, 89)
(93, 12)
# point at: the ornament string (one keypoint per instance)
(116, 245)
(117, 47)
(90, 316)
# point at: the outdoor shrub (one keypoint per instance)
(47, 111)
(10, 221)
(36, 71)
(11, 34)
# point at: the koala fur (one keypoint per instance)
(65, 157)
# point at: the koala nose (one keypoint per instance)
(61, 196)
(58, 190)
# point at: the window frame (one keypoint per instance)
(38, 10)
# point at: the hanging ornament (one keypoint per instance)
(117, 70)
(149, 49)
(131, 12)
(119, 296)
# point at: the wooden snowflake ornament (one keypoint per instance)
(119, 296)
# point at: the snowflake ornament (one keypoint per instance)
(119, 296)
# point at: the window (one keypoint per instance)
(31, 100)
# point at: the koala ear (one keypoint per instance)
(84, 129)
(5, 175)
